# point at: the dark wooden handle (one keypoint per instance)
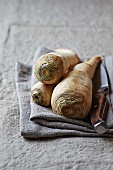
(97, 112)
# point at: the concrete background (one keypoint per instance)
(83, 25)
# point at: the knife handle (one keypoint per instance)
(98, 112)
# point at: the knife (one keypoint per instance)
(98, 111)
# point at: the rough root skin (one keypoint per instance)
(72, 97)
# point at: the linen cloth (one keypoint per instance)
(37, 121)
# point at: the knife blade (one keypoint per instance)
(99, 100)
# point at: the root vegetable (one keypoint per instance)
(51, 67)
(41, 93)
(72, 97)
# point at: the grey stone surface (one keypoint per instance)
(85, 26)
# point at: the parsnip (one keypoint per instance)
(41, 93)
(72, 97)
(51, 67)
